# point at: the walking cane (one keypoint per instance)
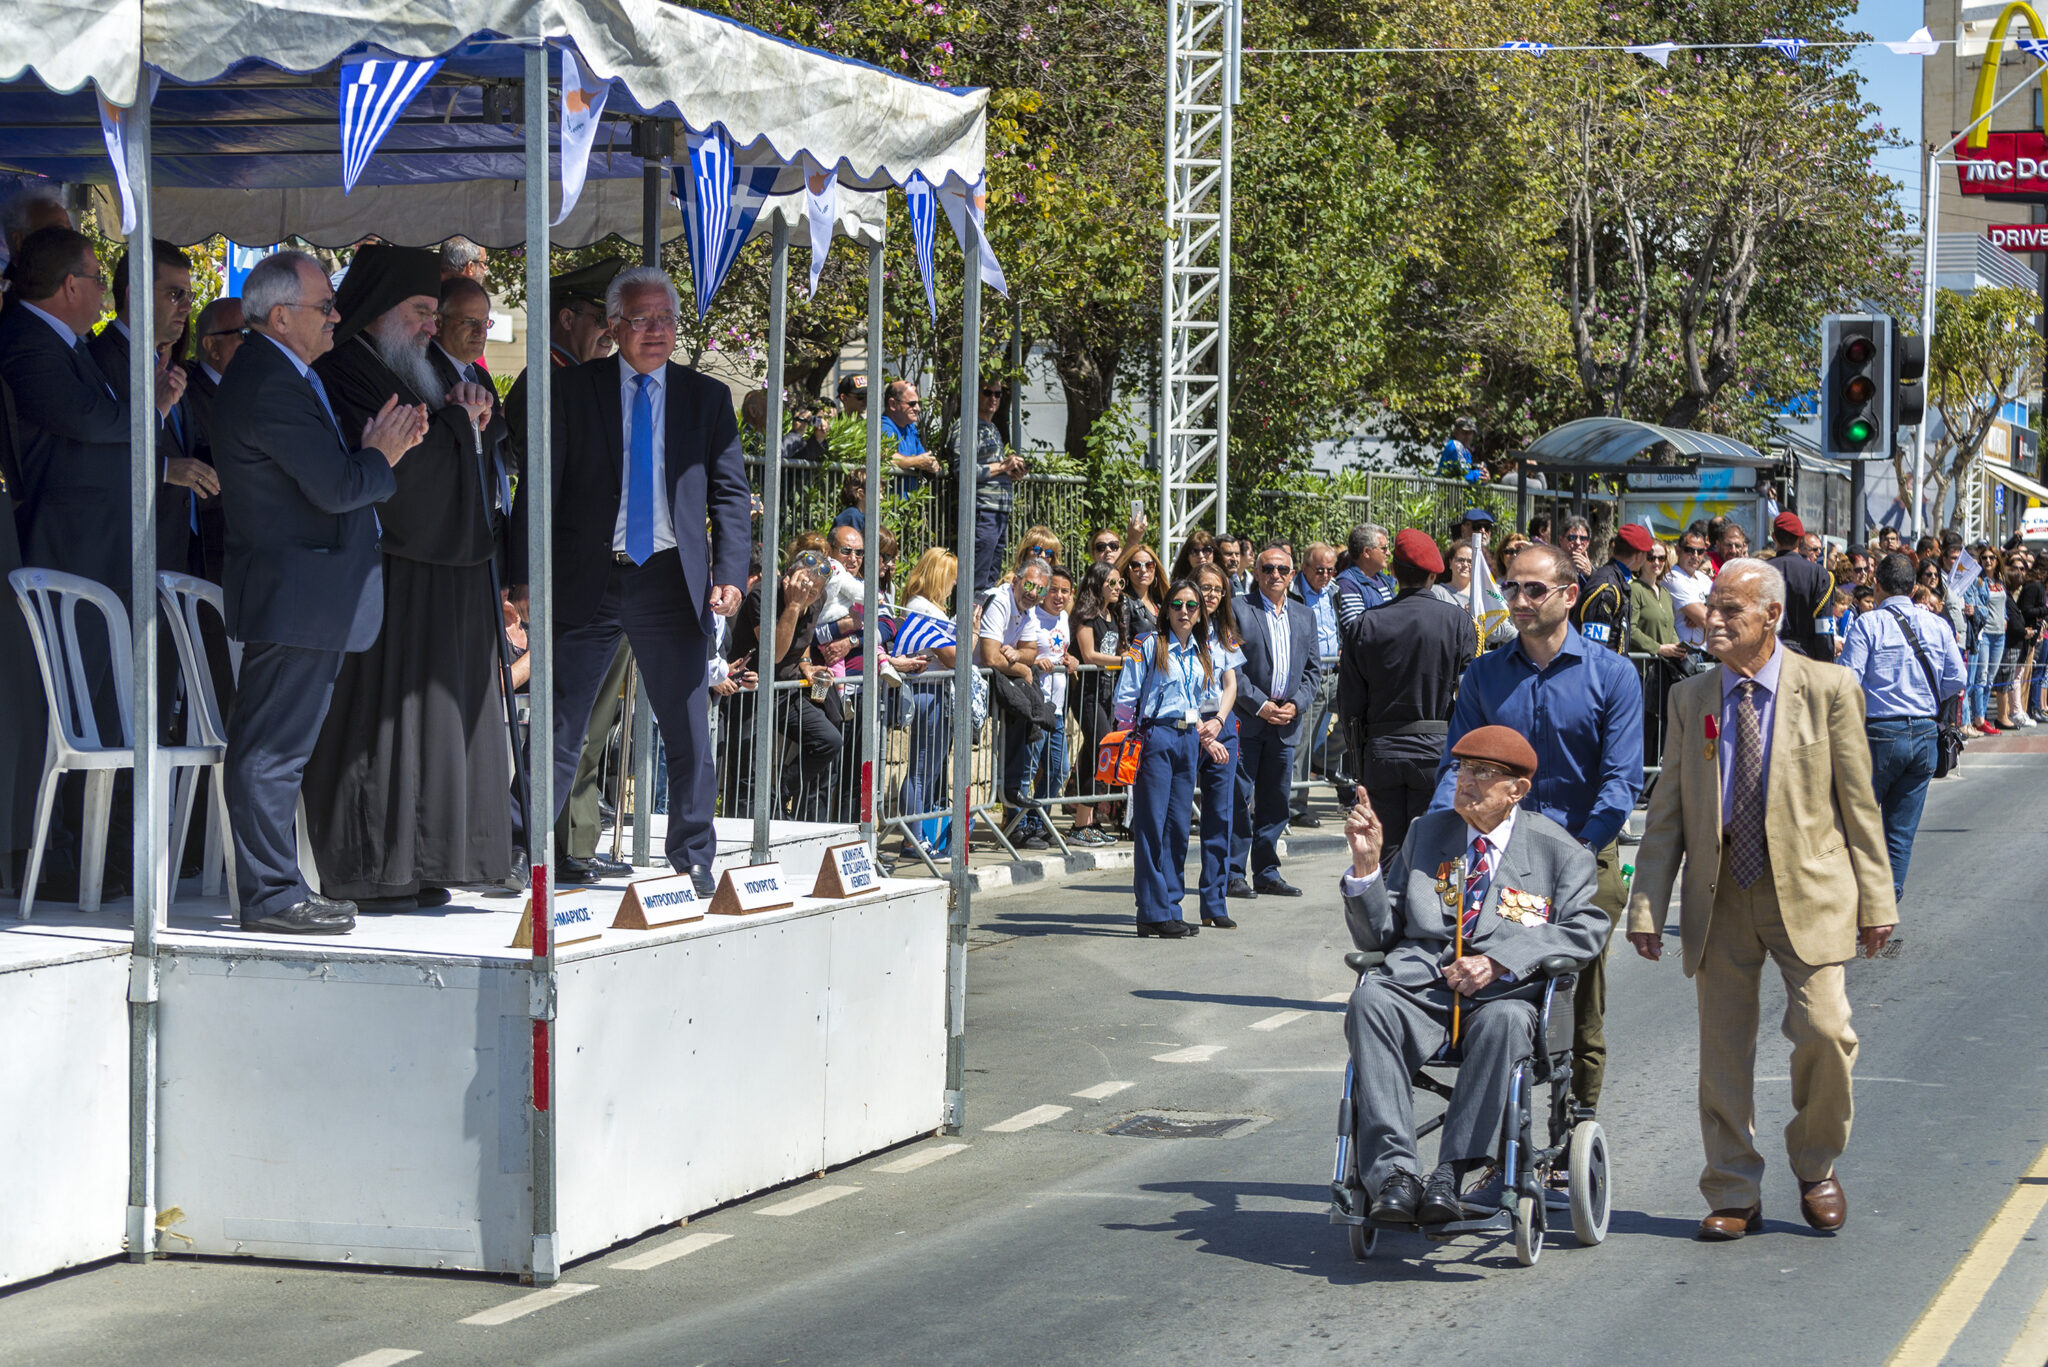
(1458, 949)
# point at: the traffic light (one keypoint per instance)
(1909, 392)
(1856, 386)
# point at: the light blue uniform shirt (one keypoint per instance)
(1876, 651)
(1169, 694)
(1222, 659)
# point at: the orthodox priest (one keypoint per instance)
(406, 792)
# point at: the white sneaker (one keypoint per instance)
(2023, 719)
(888, 672)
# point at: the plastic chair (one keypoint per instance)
(182, 595)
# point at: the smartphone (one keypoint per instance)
(1137, 509)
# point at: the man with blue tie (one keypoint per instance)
(645, 454)
(304, 579)
(1274, 689)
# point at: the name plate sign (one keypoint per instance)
(757, 887)
(574, 922)
(654, 902)
(847, 871)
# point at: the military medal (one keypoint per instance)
(1713, 730)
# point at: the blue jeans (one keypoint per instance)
(991, 528)
(1265, 783)
(1023, 745)
(1901, 767)
(1218, 781)
(931, 753)
(1983, 669)
(1052, 760)
(1162, 806)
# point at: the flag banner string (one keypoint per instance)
(1921, 44)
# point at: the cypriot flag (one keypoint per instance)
(583, 96)
(958, 204)
(114, 129)
(821, 204)
(1488, 608)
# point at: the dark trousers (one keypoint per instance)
(804, 769)
(1589, 999)
(1399, 774)
(1265, 782)
(582, 821)
(1023, 743)
(1901, 766)
(931, 752)
(1218, 781)
(280, 705)
(650, 607)
(991, 526)
(1162, 806)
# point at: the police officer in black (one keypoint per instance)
(1397, 677)
(1605, 604)
(1807, 626)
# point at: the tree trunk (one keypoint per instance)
(1088, 378)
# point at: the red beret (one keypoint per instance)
(1789, 524)
(1636, 537)
(1414, 549)
(1500, 745)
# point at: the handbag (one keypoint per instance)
(1022, 700)
(1116, 758)
(1948, 737)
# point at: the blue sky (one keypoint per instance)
(1893, 84)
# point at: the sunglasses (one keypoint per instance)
(991, 393)
(1535, 590)
(1109, 545)
(1042, 552)
(1276, 569)
(1184, 605)
(1578, 538)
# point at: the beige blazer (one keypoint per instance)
(1821, 822)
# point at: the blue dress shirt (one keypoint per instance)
(1584, 716)
(1876, 651)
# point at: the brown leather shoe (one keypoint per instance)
(1823, 1204)
(1726, 1226)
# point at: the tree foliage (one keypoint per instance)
(1986, 350)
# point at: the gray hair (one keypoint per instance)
(459, 254)
(275, 280)
(1364, 537)
(1770, 585)
(639, 278)
(19, 211)
(1035, 568)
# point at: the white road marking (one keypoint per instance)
(668, 1252)
(1336, 997)
(1024, 1120)
(526, 1305)
(912, 1162)
(1102, 1091)
(2030, 1349)
(1194, 1053)
(384, 1357)
(1278, 1019)
(816, 1196)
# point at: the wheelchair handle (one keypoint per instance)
(1358, 960)
(1559, 965)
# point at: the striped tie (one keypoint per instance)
(1746, 795)
(1476, 881)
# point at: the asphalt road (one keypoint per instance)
(1044, 1240)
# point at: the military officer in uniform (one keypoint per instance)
(1806, 626)
(1398, 669)
(1605, 603)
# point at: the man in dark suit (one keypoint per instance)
(217, 335)
(1809, 591)
(304, 581)
(643, 450)
(1274, 689)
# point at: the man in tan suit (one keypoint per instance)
(1766, 797)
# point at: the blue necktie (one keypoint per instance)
(640, 476)
(320, 393)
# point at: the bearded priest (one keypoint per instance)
(407, 790)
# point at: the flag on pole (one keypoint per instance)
(1660, 53)
(114, 129)
(917, 195)
(1923, 43)
(583, 97)
(1788, 48)
(374, 92)
(959, 206)
(721, 199)
(918, 633)
(1488, 608)
(821, 205)
(2033, 47)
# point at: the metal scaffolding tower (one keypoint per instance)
(1204, 40)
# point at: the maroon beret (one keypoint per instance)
(1417, 551)
(1636, 537)
(1789, 524)
(1500, 745)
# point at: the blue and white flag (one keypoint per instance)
(917, 633)
(924, 217)
(1788, 48)
(1533, 49)
(114, 128)
(583, 97)
(2033, 47)
(1923, 43)
(821, 206)
(959, 206)
(374, 92)
(721, 199)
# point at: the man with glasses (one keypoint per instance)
(902, 410)
(216, 337)
(1690, 581)
(1581, 706)
(1316, 586)
(995, 485)
(1275, 690)
(1578, 544)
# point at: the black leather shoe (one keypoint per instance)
(703, 879)
(518, 879)
(303, 918)
(330, 906)
(1273, 885)
(1399, 1197)
(608, 868)
(1220, 922)
(1239, 888)
(1440, 1199)
(432, 897)
(1165, 930)
(1305, 821)
(571, 872)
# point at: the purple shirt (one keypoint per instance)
(1766, 681)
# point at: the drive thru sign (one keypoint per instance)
(2019, 237)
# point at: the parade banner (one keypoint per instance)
(917, 197)
(583, 97)
(960, 206)
(114, 130)
(721, 199)
(821, 207)
(374, 92)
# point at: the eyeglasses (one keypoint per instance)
(1579, 538)
(1320, 570)
(1212, 590)
(651, 322)
(1479, 770)
(1184, 605)
(853, 553)
(1535, 590)
(991, 393)
(1042, 552)
(99, 280)
(178, 296)
(468, 324)
(222, 332)
(1145, 565)
(1201, 552)
(325, 306)
(1111, 546)
(1276, 569)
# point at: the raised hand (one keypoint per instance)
(1366, 836)
(395, 429)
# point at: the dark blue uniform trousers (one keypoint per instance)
(1219, 818)
(1265, 785)
(1162, 807)
(281, 700)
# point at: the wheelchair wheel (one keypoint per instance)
(1592, 1197)
(1528, 1230)
(1364, 1238)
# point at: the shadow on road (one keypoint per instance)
(1161, 994)
(1051, 923)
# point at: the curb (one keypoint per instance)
(1022, 873)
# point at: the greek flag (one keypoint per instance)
(1489, 609)
(960, 206)
(1788, 48)
(918, 633)
(583, 97)
(115, 131)
(2033, 47)
(721, 200)
(918, 196)
(374, 92)
(1533, 49)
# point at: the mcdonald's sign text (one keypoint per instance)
(2007, 164)
(2019, 237)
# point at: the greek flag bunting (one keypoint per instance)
(374, 92)
(959, 207)
(1660, 53)
(115, 131)
(1533, 49)
(1788, 48)
(917, 633)
(1923, 43)
(918, 197)
(721, 199)
(2033, 47)
(583, 97)
(821, 206)
(1489, 610)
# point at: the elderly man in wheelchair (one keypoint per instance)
(1468, 942)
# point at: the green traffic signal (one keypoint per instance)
(1858, 432)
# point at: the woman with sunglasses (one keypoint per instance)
(1101, 630)
(995, 484)
(1216, 774)
(1139, 566)
(1198, 550)
(1168, 679)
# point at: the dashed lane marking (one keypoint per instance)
(913, 1161)
(1024, 1120)
(1194, 1053)
(669, 1252)
(384, 1357)
(1278, 1019)
(810, 1200)
(1935, 1332)
(526, 1305)
(1102, 1091)
(1336, 997)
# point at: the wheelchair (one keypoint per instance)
(1573, 1149)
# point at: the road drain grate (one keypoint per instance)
(1149, 1126)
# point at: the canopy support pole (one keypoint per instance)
(967, 442)
(872, 767)
(149, 876)
(767, 797)
(643, 710)
(540, 829)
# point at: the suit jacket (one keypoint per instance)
(72, 503)
(706, 475)
(177, 506)
(1829, 865)
(303, 567)
(200, 393)
(1808, 588)
(1403, 913)
(1255, 682)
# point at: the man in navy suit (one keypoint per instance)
(304, 578)
(644, 453)
(1274, 690)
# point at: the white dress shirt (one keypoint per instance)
(1277, 634)
(664, 516)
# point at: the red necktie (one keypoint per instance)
(1476, 881)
